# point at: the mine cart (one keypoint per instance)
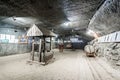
(89, 50)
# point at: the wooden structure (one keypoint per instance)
(47, 54)
(42, 33)
(32, 32)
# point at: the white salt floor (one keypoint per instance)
(69, 65)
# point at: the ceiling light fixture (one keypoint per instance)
(72, 30)
(14, 19)
(25, 29)
(89, 32)
(52, 30)
(66, 23)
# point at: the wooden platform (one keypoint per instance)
(69, 65)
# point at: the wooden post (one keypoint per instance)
(62, 46)
(44, 50)
(33, 49)
(50, 43)
(40, 51)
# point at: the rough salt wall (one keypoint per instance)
(105, 21)
(11, 31)
(109, 51)
(13, 48)
(107, 18)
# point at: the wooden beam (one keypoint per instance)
(33, 46)
(44, 50)
(40, 51)
(50, 43)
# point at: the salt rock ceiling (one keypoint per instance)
(107, 19)
(101, 16)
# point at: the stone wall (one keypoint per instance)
(110, 51)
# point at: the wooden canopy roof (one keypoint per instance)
(35, 31)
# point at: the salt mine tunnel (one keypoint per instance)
(59, 40)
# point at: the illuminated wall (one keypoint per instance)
(113, 37)
(8, 35)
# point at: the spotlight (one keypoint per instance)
(15, 31)
(52, 30)
(72, 30)
(92, 33)
(25, 29)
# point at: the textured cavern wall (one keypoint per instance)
(13, 48)
(12, 31)
(107, 18)
(110, 51)
(105, 21)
